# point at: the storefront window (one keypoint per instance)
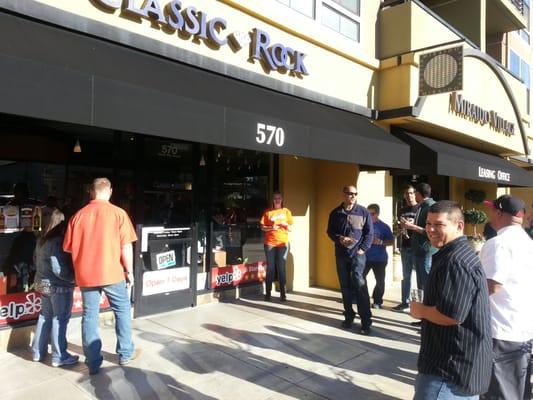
(240, 195)
(28, 193)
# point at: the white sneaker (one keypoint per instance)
(70, 360)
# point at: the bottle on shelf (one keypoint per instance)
(37, 218)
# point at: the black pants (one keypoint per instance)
(276, 258)
(509, 370)
(350, 271)
(379, 274)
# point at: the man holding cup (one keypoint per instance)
(456, 345)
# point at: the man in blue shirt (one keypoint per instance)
(376, 256)
(350, 228)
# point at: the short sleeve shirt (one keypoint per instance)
(457, 287)
(279, 217)
(508, 260)
(378, 252)
(95, 236)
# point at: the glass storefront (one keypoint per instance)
(220, 191)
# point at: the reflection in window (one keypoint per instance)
(340, 23)
(350, 5)
(28, 194)
(519, 68)
(240, 195)
(306, 7)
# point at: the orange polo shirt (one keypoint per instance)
(95, 236)
(271, 217)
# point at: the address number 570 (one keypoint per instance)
(270, 135)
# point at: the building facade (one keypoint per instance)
(197, 110)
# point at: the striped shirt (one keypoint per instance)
(461, 354)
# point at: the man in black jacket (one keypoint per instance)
(350, 228)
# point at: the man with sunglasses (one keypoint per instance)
(351, 229)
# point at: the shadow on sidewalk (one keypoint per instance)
(119, 382)
(305, 315)
(317, 296)
(302, 345)
(257, 369)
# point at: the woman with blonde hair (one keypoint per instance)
(54, 279)
(276, 223)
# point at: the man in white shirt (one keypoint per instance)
(508, 263)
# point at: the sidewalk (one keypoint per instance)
(249, 349)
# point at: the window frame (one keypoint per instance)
(336, 7)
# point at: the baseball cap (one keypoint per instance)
(508, 204)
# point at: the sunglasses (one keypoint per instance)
(350, 193)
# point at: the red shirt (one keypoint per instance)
(95, 236)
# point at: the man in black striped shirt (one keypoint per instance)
(455, 352)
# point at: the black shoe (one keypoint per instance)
(416, 323)
(376, 306)
(283, 298)
(267, 297)
(400, 307)
(364, 330)
(347, 323)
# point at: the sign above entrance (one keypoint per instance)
(478, 115)
(191, 22)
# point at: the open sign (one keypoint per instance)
(166, 259)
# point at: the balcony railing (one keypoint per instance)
(519, 4)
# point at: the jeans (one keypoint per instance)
(118, 297)
(423, 266)
(509, 370)
(276, 258)
(431, 387)
(52, 325)
(379, 274)
(408, 264)
(350, 271)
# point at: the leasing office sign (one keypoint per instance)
(191, 22)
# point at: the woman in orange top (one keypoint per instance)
(276, 223)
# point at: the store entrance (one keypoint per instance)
(166, 259)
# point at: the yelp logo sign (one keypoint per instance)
(29, 305)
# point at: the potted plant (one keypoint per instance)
(474, 217)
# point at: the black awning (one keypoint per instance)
(430, 156)
(54, 74)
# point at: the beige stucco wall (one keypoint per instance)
(297, 185)
(404, 28)
(312, 188)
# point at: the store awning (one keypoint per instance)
(430, 156)
(56, 74)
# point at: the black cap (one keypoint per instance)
(508, 204)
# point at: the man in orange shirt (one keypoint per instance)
(100, 238)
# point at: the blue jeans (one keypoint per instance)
(350, 271)
(423, 266)
(52, 325)
(276, 259)
(408, 264)
(117, 294)
(431, 387)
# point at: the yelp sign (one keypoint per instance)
(21, 308)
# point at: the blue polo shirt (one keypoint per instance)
(378, 253)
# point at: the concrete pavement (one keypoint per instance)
(246, 349)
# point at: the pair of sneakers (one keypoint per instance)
(68, 360)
